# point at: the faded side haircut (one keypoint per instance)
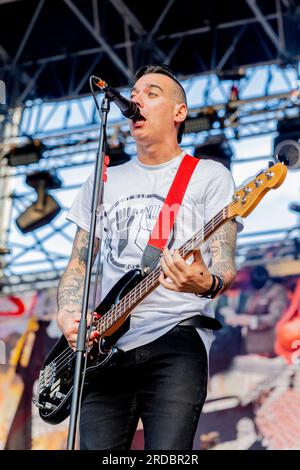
(165, 70)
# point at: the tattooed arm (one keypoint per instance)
(196, 277)
(222, 246)
(70, 289)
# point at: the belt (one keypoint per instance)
(202, 321)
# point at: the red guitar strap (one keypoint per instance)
(167, 216)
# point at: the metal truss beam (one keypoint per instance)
(268, 29)
(249, 253)
(23, 76)
(21, 98)
(69, 147)
(129, 54)
(3, 2)
(100, 39)
(125, 11)
(96, 16)
(133, 43)
(160, 20)
(28, 32)
(239, 116)
(230, 49)
(138, 28)
(4, 55)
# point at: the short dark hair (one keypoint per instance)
(164, 70)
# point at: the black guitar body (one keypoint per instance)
(56, 376)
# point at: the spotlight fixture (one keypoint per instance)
(234, 75)
(203, 121)
(44, 210)
(3, 109)
(295, 207)
(115, 148)
(117, 155)
(286, 143)
(25, 154)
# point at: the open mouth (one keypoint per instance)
(139, 119)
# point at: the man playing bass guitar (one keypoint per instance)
(161, 376)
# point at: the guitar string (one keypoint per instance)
(113, 310)
(66, 355)
(130, 298)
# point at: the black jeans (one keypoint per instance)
(163, 382)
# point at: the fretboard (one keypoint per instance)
(150, 282)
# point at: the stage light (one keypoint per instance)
(117, 155)
(286, 144)
(203, 121)
(215, 147)
(3, 109)
(44, 210)
(115, 148)
(294, 206)
(25, 154)
(234, 75)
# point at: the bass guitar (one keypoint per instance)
(55, 383)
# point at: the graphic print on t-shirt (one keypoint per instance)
(129, 223)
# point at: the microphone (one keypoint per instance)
(127, 107)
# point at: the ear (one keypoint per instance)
(180, 112)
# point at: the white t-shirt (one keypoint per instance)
(133, 196)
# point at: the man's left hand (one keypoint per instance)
(180, 276)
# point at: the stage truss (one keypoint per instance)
(68, 124)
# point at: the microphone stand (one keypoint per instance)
(97, 199)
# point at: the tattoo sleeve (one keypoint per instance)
(70, 289)
(222, 246)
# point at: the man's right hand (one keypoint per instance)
(68, 321)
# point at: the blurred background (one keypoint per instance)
(239, 65)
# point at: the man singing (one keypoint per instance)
(162, 375)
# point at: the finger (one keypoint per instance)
(167, 271)
(92, 317)
(97, 316)
(180, 263)
(198, 256)
(94, 335)
(168, 258)
(175, 260)
(167, 284)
